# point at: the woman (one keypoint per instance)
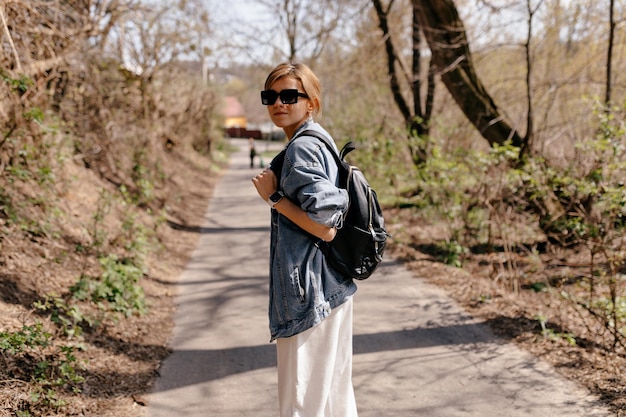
(310, 306)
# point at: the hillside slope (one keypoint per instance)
(90, 360)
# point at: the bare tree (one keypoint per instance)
(290, 29)
(41, 43)
(452, 58)
(417, 118)
(527, 143)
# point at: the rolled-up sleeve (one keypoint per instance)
(309, 178)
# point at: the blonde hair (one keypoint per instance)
(310, 83)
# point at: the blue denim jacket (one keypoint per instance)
(303, 287)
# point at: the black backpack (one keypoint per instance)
(357, 249)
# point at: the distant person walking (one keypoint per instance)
(310, 304)
(252, 151)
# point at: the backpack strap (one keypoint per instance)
(347, 148)
(276, 164)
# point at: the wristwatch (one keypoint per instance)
(275, 198)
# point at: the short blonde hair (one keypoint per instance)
(310, 83)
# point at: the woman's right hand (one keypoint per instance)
(265, 183)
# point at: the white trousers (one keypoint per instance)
(315, 369)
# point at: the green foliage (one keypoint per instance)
(138, 240)
(382, 160)
(103, 208)
(451, 253)
(21, 84)
(7, 211)
(551, 334)
(19, 171)
(143, 180)
(66, 315)
(59, 370)
(35, 114)
(494, 197)
(29, 337)
(584, 202)
(614, 312)
(463, 191)
(33, 152)
(117, 289)
(52, 366)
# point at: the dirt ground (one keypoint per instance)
(122, 360)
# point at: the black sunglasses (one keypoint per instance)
(289, 96)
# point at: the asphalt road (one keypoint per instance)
(416, 353)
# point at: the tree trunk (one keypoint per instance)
(417, 119)
(446, 37)
(392, 58)
(609, 58)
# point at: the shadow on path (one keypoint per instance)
(208, 230)
(208, 365)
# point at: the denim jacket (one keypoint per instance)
(303, 287)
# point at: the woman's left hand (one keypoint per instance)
(265, 183)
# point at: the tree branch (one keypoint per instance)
(18, 64)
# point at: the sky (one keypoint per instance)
(230, 18)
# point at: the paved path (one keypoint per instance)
(416, 353)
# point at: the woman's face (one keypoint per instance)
(289, 116)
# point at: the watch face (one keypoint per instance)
(276, 197)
